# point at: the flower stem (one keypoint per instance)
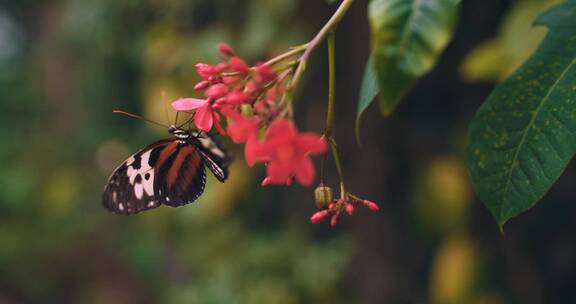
(282, 57)
(330, 113)
(329, 27)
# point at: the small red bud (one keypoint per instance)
(225, 49)
(265, 73)
(250, 87)
(319, 216)
(220, 67)
(216, 91)
(236, 97)
(205, 70)
(331, 206)
(334, 219)
(260, 106)
(371, 205)
(201, 85)
(230, 79)
(238, 65)
(266, 182)
(349, 208)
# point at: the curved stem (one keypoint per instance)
(330, 26)
(330, 112)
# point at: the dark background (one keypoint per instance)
(66, 64)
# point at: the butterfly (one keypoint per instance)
(169, 172)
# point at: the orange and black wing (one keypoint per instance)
(166, 172)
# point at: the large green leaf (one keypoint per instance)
(407, 38)
(524, 135)
(368, 92)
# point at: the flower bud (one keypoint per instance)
(201, 85)
(216, 91)
(266, 182)
(349, 208)
(319, 216)
(225, 49)
(370, 205)
(265, 73)
(205, 70)
(246, 110)
(236, 97)
(323, 195)
(334, 219)
(238, 65)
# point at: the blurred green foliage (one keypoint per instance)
(66, 64)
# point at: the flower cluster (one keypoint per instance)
(337, 207)
(256, 103)
(253, 100)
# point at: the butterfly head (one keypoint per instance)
(178, 133)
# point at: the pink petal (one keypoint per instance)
(254, 151)
(203, 119)
(185, 104)
(312, 143)
(279, 172)
(217, 124)
(281, 128)
(304, 171)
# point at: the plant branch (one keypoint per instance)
(329, 27)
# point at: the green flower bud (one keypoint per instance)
(323, 195)
(247, 110)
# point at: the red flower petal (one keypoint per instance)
(304, 171)
(217, 124)
(203, 119)
(312, 143)
(281, 128)
(279, 172)
(185, 104)
(253, 152)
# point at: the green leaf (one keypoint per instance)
(524, 135)
(407, 38)
(368, 92)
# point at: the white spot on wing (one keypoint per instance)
(145, 185)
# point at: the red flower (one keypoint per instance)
(205, 116)
(241, 128)
(287, 153)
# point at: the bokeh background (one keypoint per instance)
(66, 64)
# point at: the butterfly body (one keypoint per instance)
(168, 172)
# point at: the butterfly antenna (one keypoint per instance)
(165, 107)
(140, 118)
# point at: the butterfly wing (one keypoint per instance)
(183, 174)
(166, 172)
(216, 157)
